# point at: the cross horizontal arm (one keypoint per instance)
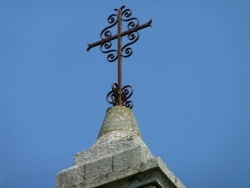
(122, 34)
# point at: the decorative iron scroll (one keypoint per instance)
(126, 93)
(132, 23)
(119, 95)
(106, 34)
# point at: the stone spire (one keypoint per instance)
(119, 158)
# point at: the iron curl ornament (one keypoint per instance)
(119, 95)
(126, 93)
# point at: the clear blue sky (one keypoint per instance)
(190, 74)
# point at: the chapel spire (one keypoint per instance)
(119, 157)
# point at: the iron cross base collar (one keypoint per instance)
(119, 95)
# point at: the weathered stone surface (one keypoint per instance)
(68, 177)
(98, 168)
(130, 158)
(119, 118)
(119, 132)
(119, 158)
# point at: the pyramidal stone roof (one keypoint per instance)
(119, 158)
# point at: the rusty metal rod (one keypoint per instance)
(119, 59)
(148, 24)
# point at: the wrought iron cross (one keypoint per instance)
(119, 95)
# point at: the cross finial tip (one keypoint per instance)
(150, 21)
(88, 47)
(120, 8)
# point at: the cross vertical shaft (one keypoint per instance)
(119, 58)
